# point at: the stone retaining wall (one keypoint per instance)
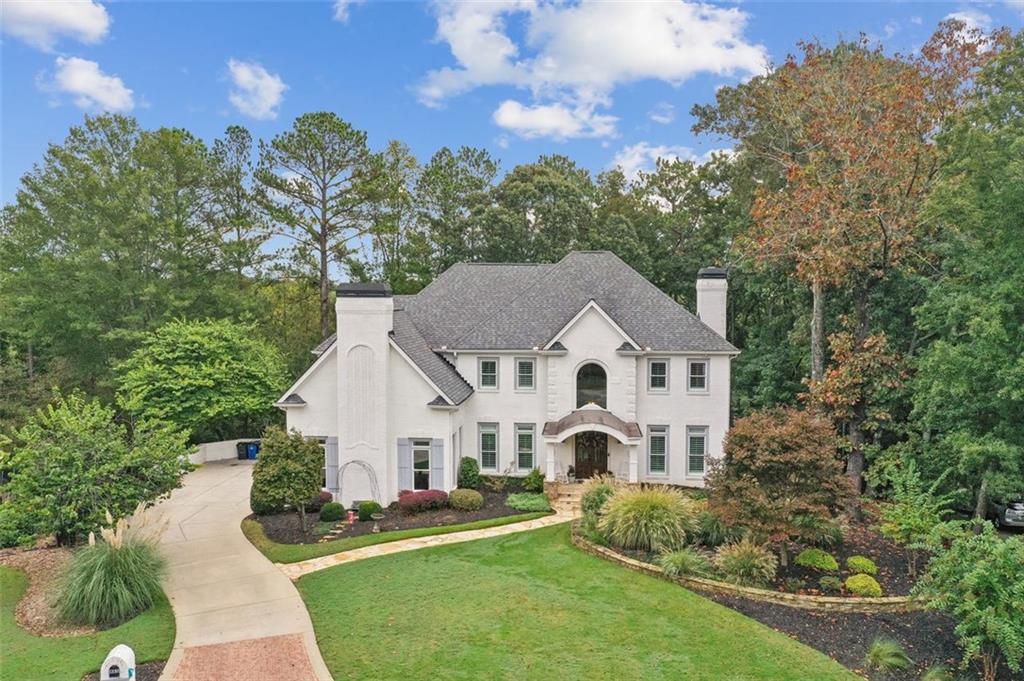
(804, 602)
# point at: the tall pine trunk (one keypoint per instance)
(817, 331)
(325, 288)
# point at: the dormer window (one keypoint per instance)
(657, 375)
(488, 379)
(697, 376)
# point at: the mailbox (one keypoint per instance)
(120, 664)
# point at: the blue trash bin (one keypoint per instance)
(252, 449)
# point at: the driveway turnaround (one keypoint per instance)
(238, 617)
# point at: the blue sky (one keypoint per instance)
(599, 82)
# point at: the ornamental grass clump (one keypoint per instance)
(887, 656)
(114, 579)
(596, 493)
(685, 562)
(648, 519)
(746, 563)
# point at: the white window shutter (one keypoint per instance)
(404, 464)
(331, 464)
(437, 463)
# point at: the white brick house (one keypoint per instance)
(581, 366)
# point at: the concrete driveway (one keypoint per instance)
(238, 617)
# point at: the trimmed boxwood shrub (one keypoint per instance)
(466, 500)
(746, 563)
(332, 511)
(649, 519)
(534, 481)
(426, 500)
(816, 559)
(863, 585)
(469, 473)
(367, 509)
(526, 501)
(861, 565)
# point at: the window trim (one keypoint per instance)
(705, 432)
(480, 374)
(668, 372)
(664, 432)
(530, 428)
(488, 427)
(419, 444)
(707, 375)
(533, 374)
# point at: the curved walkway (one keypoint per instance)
(296, 570)
(236, 613)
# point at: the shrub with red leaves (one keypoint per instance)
(417, 502)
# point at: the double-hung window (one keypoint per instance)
(697, 376)
(488, 370)
(526, 374)
(696, 449)
(489, 446)
(420, 464)
(657, 450)
(524, 446)
(657, 375)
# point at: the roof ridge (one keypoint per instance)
(509, 301)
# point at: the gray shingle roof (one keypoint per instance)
(522, 306)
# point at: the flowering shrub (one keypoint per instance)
(417, 502)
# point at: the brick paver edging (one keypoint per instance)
(804, 602)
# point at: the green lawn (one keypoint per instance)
(24, 656)
(293, 553)
(532, 606)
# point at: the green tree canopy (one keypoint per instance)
(288, 472)
(72, 462)
(211, 378)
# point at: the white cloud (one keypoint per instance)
(973, 19)
(42, 22)
(89, 87)
(642, 156)
(916, 20)
(891, 28)
(557, 121)
(341, 8)
(573, 56)
(256, 93)
(663, 113)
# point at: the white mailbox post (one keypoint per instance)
(120, 664)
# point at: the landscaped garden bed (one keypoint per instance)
(285, 528)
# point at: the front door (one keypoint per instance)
(591, 454)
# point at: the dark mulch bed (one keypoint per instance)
(147, 671)
(284, 528)
(926, 636)
(859, 540)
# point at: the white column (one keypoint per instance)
(634, 464)
(550, 469)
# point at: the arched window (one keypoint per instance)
(591, 386)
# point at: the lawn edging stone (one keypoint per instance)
(883, 604)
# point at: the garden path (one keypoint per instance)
(235, 612)
(296, 570)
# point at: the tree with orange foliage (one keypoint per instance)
(781, 476)
(849, 133)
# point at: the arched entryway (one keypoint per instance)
(591, 385)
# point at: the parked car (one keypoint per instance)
(1010, 513)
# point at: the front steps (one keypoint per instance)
(568, 498)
